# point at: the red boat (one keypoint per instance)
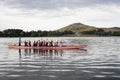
(52, 47)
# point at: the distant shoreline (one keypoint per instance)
(73, 30)
(59, 36)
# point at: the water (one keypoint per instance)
(101, 61)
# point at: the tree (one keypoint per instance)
(116, 33)
(12, 32)
(34, 34)
(1, 34)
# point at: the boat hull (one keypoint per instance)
(57, 47)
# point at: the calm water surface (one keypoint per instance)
(101, 61)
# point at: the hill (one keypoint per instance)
(79, 28)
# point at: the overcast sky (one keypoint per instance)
(54, 14)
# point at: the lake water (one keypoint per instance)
(101, 61)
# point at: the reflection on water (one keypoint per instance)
(20, 55)
(51, 53)
(101, 61)
(41, 52)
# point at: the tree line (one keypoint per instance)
(101, 32)
(39, 33)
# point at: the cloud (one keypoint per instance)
(54, 14)
(55, 4)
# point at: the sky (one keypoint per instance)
(54, 14)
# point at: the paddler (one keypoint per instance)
(19, 41)
(29, 43)
(26, 43)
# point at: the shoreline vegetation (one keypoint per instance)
(21, 33)
(39, 33)
(73, 30)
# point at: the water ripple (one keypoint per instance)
(101, 60)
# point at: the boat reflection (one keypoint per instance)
(40, 52)
(46, 52)
(20, 55)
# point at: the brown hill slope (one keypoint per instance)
(77, 27)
